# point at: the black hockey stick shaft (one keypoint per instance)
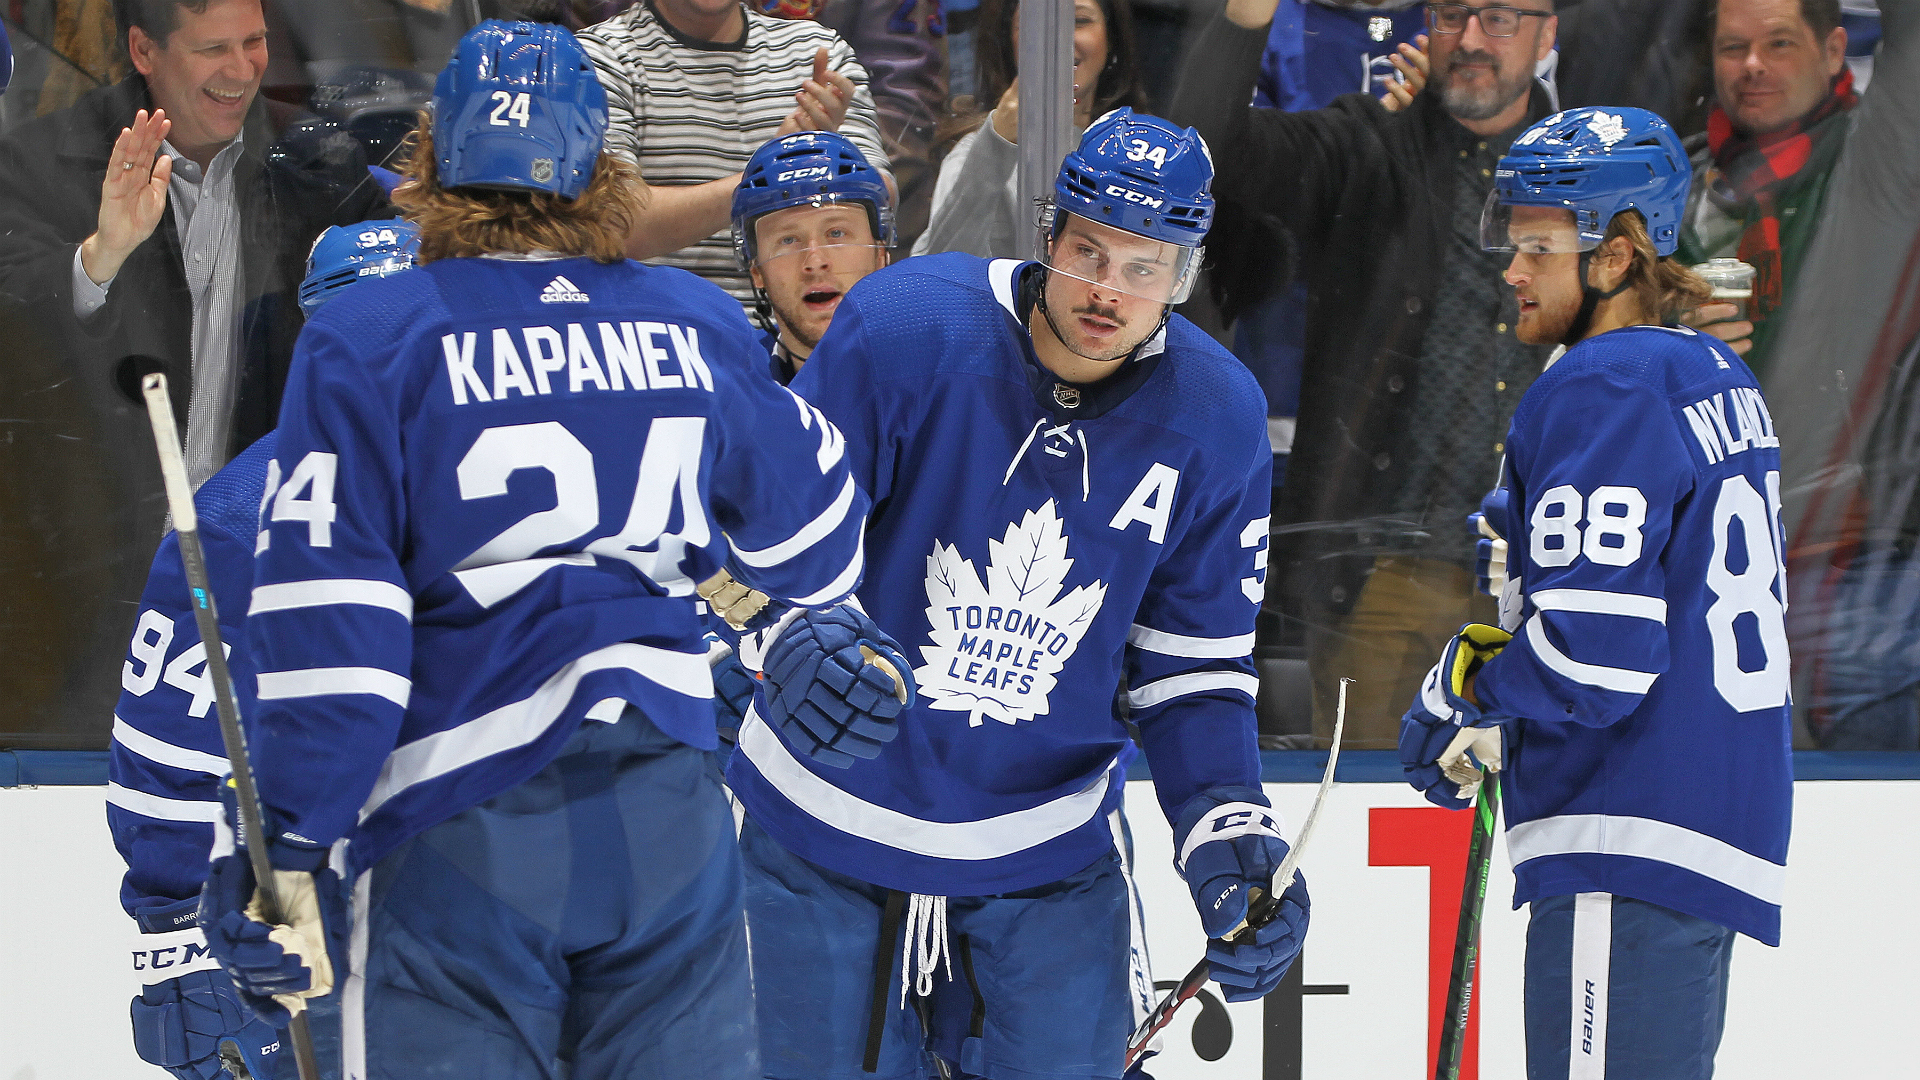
(206, 615)
(1466, 939)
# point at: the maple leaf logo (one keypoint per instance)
(998, 644)
(1610, 128)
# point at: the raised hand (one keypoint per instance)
(823, 100)
(1412, 65)
(132, 197)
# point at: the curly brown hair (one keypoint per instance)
(467, 221)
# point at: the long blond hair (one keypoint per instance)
(467, 221)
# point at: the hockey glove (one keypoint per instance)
(1429, 729)
(743, 608)
(836, 684)
(733, 684)
(276, 967)
(188, 1016)
(1229, 843)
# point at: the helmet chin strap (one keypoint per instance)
(1166, 312)
(1590, 298)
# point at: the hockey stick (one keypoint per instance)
(1466, 940)
(1261, 909)
(186, 523)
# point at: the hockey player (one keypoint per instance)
(810, 218)
(1072, 489)
(481, 702)
(1638, 690)
(166, 758)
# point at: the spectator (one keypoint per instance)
(976, 208)
(1401, 429)
(900, 48)
(156, 224)
(693, 88)
(1316, 51)
(1783, 91)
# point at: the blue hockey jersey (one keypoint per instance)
(1652, 757)
(1316, 52)
(1027, 556)
(166, 759)
(497, 483)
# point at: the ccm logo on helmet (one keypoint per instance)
(802, 174)
(1119, 192)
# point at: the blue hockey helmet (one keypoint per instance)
(812, 168)
(1595, 162)
(1146, 176)
(519, 108)
(346, 253)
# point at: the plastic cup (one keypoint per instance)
(1732, 282)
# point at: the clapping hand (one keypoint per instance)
(1412, 65)
(823, 100)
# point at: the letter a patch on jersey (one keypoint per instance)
(998, 646)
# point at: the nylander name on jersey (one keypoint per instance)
(1026, 555)
(1649, 665)
(484, 524)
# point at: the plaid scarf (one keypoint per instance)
(1751, 169)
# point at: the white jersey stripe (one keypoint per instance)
(810, 534)
(139, 742)
(154, 806)
(324, 681)
(523, 721)
(1193, 682)
(1645, 838)
(842, 583)
(1199, 648)
(289, 595)
(1595, 602)
(986, 838)
(1623, 680)
(1592, 962)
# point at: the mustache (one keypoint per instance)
(1477, 56)
(1112, 315)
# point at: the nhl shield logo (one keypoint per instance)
(542, 170)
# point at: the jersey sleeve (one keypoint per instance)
(784, 492)
(330, 622)
(1189, 663)
(1600, 468)
(166, 759)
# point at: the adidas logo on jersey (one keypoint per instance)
(562, 291)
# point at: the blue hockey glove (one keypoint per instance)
(836, 684)
(275, 968)
(1229, 843)
(1429, 729)
(187, 1015)
(733, 684)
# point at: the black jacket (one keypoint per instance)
(288, 190)
(1366, 197)
(81, 505)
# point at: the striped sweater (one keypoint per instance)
(689, 111)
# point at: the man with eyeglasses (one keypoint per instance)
(1412, 369)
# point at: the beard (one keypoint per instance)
(1474, 103)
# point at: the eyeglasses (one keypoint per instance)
(1501, 22)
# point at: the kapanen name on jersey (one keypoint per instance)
(537, 360)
